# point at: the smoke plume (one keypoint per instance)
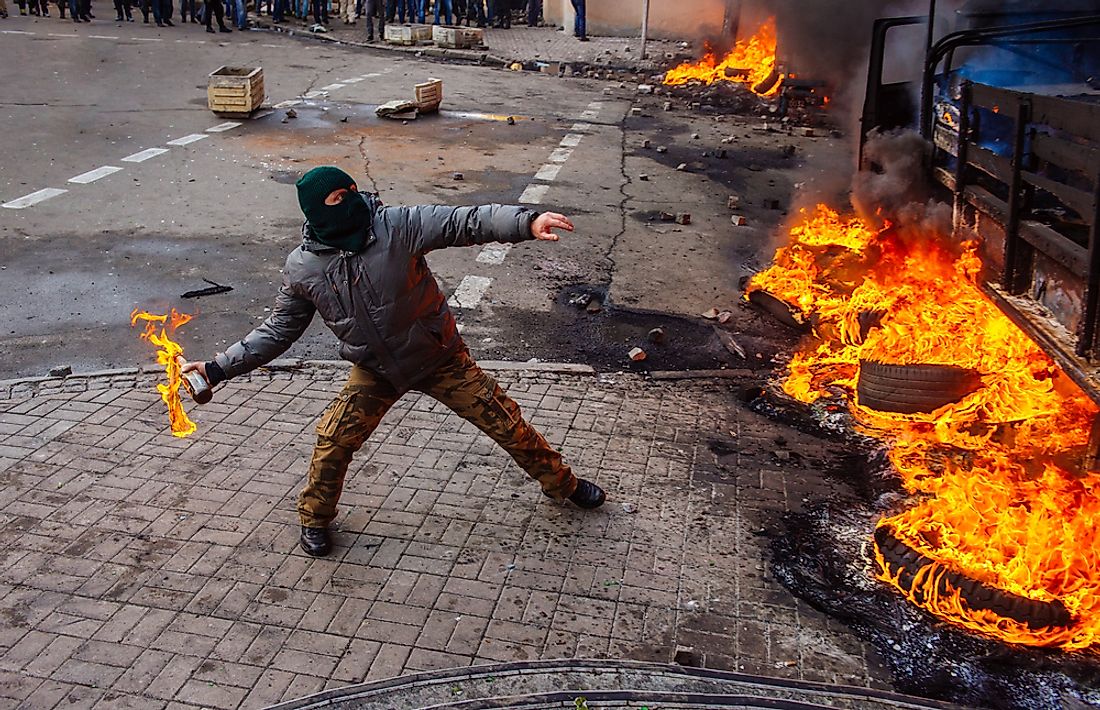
(894, 186)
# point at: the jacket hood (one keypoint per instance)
(310, 242)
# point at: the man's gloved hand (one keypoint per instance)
(196, 366)
(542, 226)
(209, 371)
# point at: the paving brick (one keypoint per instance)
(357, 661)
(211, 695)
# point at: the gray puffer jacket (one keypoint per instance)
(383, 302)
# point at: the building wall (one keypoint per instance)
(671, 19)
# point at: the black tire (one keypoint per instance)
(913, 389)
(779, 310)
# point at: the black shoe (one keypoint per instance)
(210, 30)
(587, 495)
(160, 24)
(316, 541)
(119, 18)
(169, 23)
(224, 29)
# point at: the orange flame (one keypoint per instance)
(999, 498)
(751, 62)
(168, 355)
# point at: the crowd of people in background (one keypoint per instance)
(482, 13)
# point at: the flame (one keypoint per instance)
(998, 496)
(168, 355)
(750, 62)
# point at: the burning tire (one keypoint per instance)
(912, 389)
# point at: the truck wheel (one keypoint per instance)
(912, 389)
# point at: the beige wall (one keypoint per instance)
(672, 19)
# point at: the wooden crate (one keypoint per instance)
(429, 95)
(235, 92)
(408, 34)
(456, 37)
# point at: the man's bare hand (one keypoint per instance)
(200, 367)
(543, 226)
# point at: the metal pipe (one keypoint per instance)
(931, 27)
(645, 25)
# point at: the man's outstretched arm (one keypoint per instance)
(289, 319)
(429, 227)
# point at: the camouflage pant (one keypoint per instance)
(461, 385)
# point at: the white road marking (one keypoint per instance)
(273, 46)
(571, 140)
(595, 105)
(548, 172)
(560, 155)
(93, 175)
(102, 37)
(147, 39)
(262, 113)
(188, 139)
(35, 197)
(222, 127)
(288, 104)
(15, 32)
(470, 291)
(533, 194)
(493, 253)
(62, 34)
(332, 87)
(372, 74)
(580, 127)
(144, 155)
(353, 80)
(312, 94)
(589, 115)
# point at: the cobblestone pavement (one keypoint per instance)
(140, 570)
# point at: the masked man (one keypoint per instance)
(362, 267)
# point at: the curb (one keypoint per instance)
(485, 57)
(472, 56)
(284, 367)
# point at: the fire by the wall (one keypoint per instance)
(998, 503)
(751, 63)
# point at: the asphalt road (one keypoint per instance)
(222, 206)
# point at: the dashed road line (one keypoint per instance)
(560, 155)
(332, 87)
(288, 103)
(470, 291)
(582, 127)
(34, 198)
(534, 193)
(571, 140)
(313, 94)
(493, 253)
(188, 139)
(93, 175)
(353, 80)
(147, 39)
(102, 37)
(548, 172)
(222, 127)
(589, 115)
(143, 155)
(15, 32)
